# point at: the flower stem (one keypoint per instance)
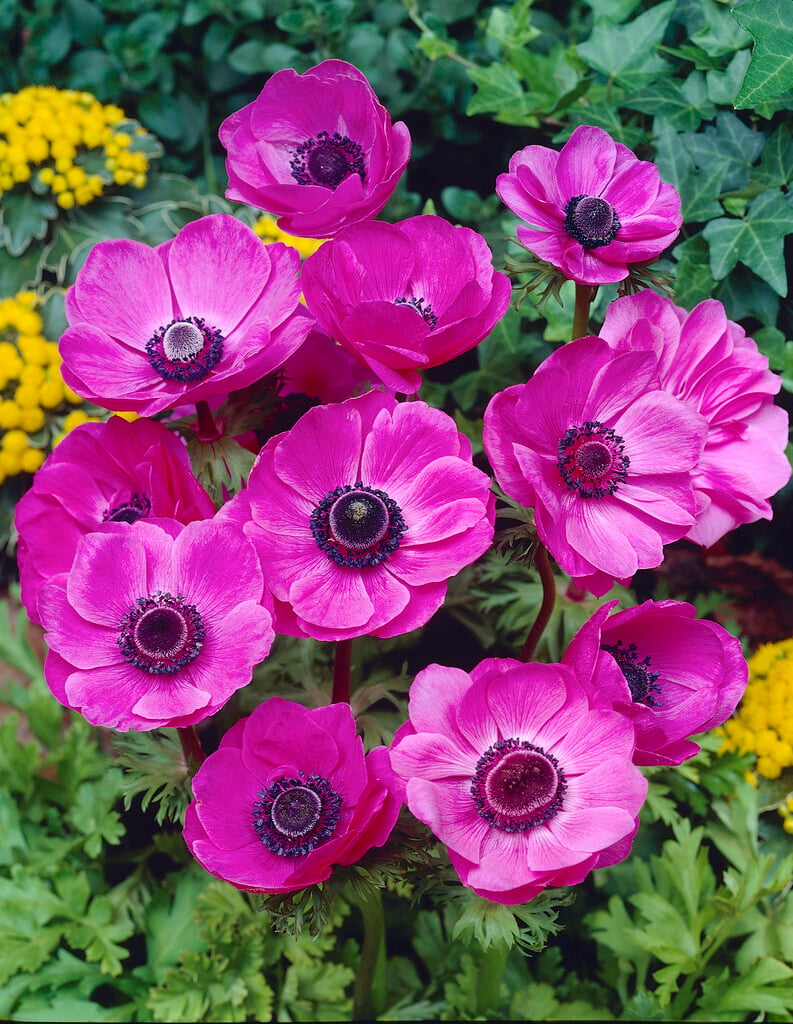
(191, 745)
(208, 430)
(369, 994)
(341, 671)
(584, 294)
(488, 986)
(548, 600)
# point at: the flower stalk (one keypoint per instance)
(208, 431)
(369, 994)
(491, 973)
(548, 581)
(584, 294)
(341, 671)
(191, 745)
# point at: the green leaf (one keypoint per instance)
(500, 92)
(25, 217)
(693, 280)
(171, 925)
(720, 35)
(698, 186)
(771, 69)
(19, 272)
(682, 105)
(723, 85)
(613, 10)
(767, 987)
(757, 240)
(628, 53)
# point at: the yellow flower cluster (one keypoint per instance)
(36, 407)
(67, 143)
(763, 723)
(267, 229)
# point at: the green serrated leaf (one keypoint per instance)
(756, 240)
(25, 217)
(771, 69)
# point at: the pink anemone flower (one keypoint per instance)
(361, 513)
(150, 628)
(317, 150)
(707, 362)
(114, 472)
(191, 320)
(603, 456)
(672, 674)
(525, 781)
(288, 795)
(593, 207)
(405, 297)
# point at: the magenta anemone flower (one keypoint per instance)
(404, 297)
(114, 472)
(593, 207)
(602, 455)
(287, 795)
(672, 674)
(362, 536)
(526, 782)
(317, 150)
(193, 319)
(151, 627)
(708, 362)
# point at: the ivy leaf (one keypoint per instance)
(628, 53)
(500, 93)
(683, 105)
(694, 281)
(730, 144)
(771, 69)
(25, 217)
(720, 35)
(756, 240)
(698, 186)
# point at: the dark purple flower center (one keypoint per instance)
(185, 350)
(357, 526)
(591, 221)
(424, 311)
(517, 786)
(592, 460)
(641, 681)
(327, 160)
(137, 507)
(161, 634)
(293, 816)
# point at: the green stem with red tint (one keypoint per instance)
(492, 964)
(208, 430)
(191, 746)
(548, 581)
(584, 294)
(368, 998)
(342, 662)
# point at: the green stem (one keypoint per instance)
(191, 745)
(341, 672)
(543, 564)
(584, 294)
(369, 995)
(488, 986)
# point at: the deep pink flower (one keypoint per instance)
(525, 781)
(602, 455)
(101, 473)
(708, 362)
(316, 150)
(404, 297)
(593, 207)
(287, 795)
(672, 674)
(361, 513)
(200, 316)
(155, 624)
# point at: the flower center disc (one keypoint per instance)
(185, 350)
(293, 816)
(517, 786)
(592, 460)
(327, 160)
(138, 507)
(161, 634)
(641, 681)
(357, 526)
(591, 221)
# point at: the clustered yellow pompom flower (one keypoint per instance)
(69, 144)
(267, 229)
(763, 723)
(36, 407)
